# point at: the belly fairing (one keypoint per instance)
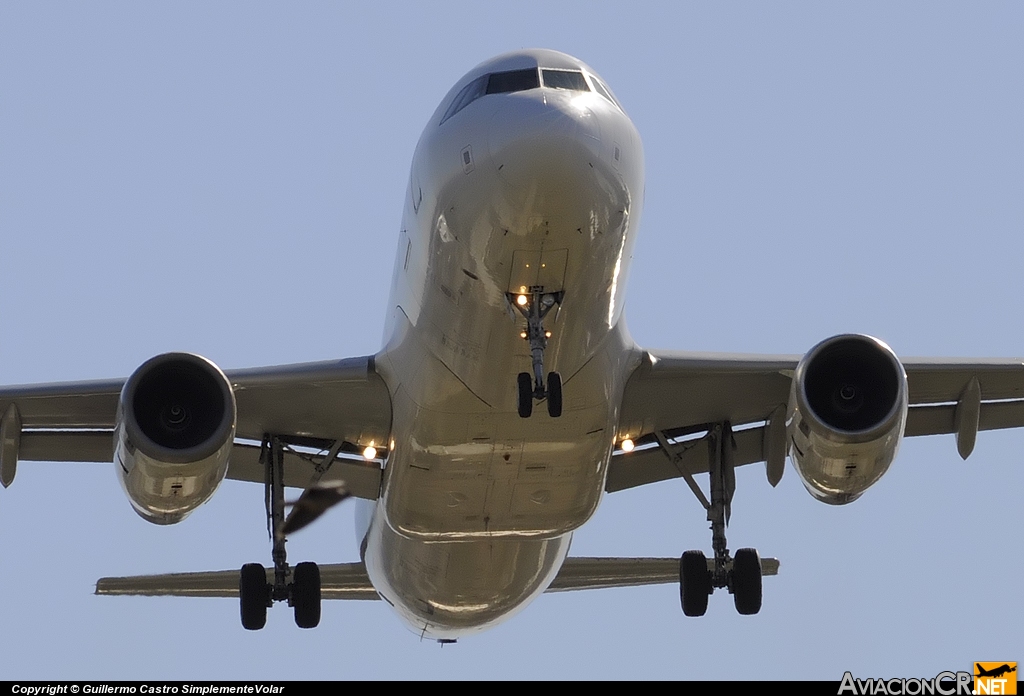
(445, 590)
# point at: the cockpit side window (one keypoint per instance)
(603, 90)
(512, 81)
(565, 79)
(470, 93)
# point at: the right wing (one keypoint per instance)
(681, 394)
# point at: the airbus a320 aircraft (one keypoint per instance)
(508, 396)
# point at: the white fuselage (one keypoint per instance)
(536, 187)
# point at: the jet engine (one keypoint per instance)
(847, 412)
(174, 432)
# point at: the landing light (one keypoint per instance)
(522, 334)
(627, 445)
(547, 334)
(370, 452)
(522, 300)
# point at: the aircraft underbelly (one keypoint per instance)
(451, 589)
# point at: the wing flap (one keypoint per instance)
(67, 446)
(651, 465)
(941, 419)
(77, 405)
(938, 380)
(672, 390)
(361, 477)
(332, 400)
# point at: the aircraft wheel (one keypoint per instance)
(694, 583)
(525, 395)
(306, 595)
(253, 592)
(554, 394)
(746, 581)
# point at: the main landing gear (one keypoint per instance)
(534, 306)
(255, 591)
(741, 574)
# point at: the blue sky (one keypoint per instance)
(228, 179)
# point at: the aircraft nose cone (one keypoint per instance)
(539, 141)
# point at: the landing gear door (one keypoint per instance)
(544, 268)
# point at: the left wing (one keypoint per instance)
(679, 395)
(311, 405)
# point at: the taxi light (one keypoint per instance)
(522, 300)
(627, 445)
(370, 452)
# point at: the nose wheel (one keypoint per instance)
(535, 306)
(528, 391)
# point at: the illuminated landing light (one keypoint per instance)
(547, 334)
(522, 334)
(522, 300)
(370, 452)
(392, 446)
(627, 445)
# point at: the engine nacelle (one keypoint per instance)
(174, 432)
(847, 412)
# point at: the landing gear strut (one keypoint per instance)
(534, 306)
(698, 577)
(255, 592)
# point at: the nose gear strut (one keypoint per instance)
(534, 306)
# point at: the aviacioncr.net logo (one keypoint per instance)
(943, 684)
(995, 678)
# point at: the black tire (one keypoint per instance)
(554, 394)
(306, 595)
(253, 593)
(525, 395)
(746, 581)
(694, 583)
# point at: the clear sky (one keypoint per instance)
(227, 178)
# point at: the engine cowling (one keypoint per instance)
(847, 411)
(173, 436)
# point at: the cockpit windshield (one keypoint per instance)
(512, 81)
(565, 79)
(521, 80)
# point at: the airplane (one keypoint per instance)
(508, 397)
(996, 671)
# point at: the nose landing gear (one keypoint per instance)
(534, 306)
